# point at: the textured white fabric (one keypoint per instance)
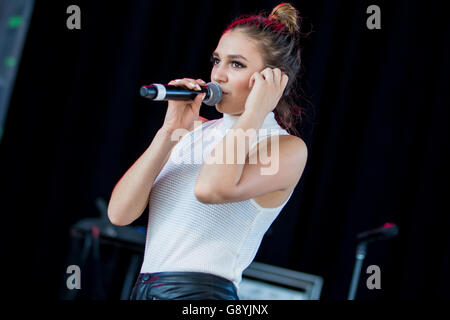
(186, 235)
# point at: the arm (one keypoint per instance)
(241, 181)
(131, 194)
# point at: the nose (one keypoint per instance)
(219, 74)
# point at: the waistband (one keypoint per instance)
(174, 277)
(185, 283)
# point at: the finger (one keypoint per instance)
(255, 76)
(277, 76)
(201, 82)
(199, 98)
(284, 80)
(268, 74)
(177, 82)
(188, 83)
(198, 103)
(193, 84)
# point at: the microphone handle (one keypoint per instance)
(161, 92)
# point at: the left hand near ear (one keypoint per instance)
(267, 88)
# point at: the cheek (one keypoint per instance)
(243, 86)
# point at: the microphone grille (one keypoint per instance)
(214, 94)
(143, 91)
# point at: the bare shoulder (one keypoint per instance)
(293, 146)
(292, 149)
(293, 157)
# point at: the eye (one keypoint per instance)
(238, 64)
(213, 60)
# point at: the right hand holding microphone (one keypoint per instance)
(181, 114)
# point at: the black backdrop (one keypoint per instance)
(378, 108)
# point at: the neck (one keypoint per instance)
(269, 121)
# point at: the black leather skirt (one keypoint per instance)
(183, 286)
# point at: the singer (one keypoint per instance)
(206, 221)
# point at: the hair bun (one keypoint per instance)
(286, 14)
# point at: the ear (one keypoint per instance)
(253, 78)
(251, 81)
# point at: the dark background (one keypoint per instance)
(377, 103)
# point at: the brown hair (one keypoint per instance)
(277, 36)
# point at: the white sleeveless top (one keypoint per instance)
(184, 234)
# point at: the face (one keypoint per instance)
(233, 74)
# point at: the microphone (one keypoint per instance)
(387, 231)
(163, 92)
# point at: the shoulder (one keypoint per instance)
(290, 147)
(293, 147)
(291, 152)
(283, 161)
(293, 155)
(293, 158)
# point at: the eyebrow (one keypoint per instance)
(231, 56)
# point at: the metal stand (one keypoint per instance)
(387, 231)
(128, 283)
(96, 231)
(361, 251)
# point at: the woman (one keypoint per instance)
(207, 219)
